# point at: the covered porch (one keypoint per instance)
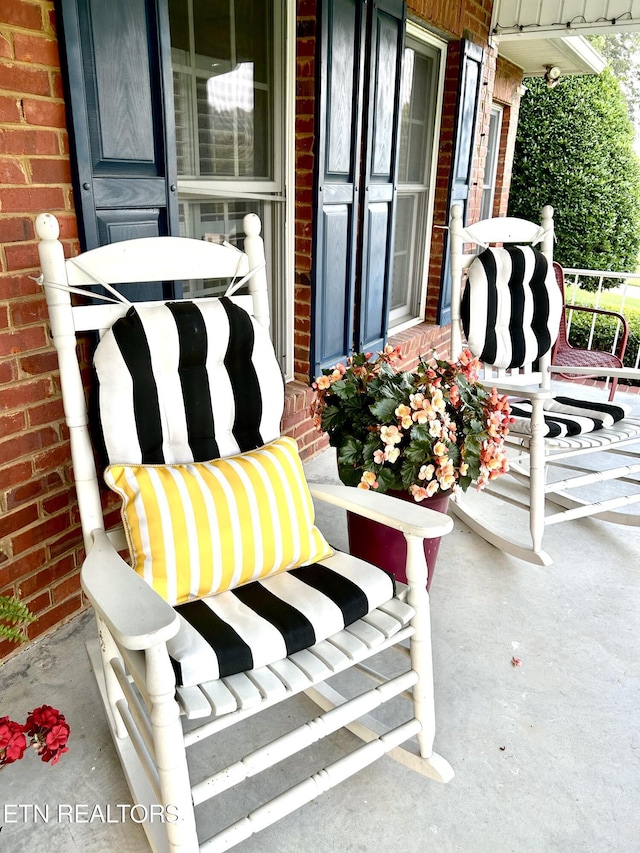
(545, 753)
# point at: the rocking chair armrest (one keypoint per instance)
(385, 509)
(613, 372)
(522, 391)
(135, 614)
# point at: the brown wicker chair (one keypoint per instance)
(566, 354)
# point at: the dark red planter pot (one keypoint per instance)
(387, 548)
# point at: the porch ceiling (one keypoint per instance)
(514, 19)
(572, 54)
(538, 33)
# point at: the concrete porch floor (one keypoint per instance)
(546, 755)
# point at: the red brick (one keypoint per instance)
(5, 47)
(25, 492)
(10, 110)
(39, 602)
(24, 393)
(55, 503)
(18, 286)
(28, 142)
(12, 522)
(57, 87)
(45, 113)
(12, 474)
(27, 443)
(69, 586)
(16, 228)
(43, 579)
(23, 79)
(42, 362)
(26, 312)
(51, 171)
(56, 457)
(19, 568)
(52, 527)
(10, 424)
(21, 13)
(69, 541)
(54, 617)
(37, 49)
(21, 256)
(28, 199)
(11, 173)
(47, 413)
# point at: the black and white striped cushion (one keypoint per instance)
(265, 621)
(566, 416)
(186, 382)
(511, 306)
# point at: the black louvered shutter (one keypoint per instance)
(116, 58)
(467, 110)
(337, 174)
(378, 199)
(360, 60)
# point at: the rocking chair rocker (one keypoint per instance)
(510, 311)
(236, 602)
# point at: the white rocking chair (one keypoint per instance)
(510, 310)
(190, 400)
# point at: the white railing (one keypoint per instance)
(629, 285)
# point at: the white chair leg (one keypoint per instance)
(537, 476)
(420, 644)
(171, 759)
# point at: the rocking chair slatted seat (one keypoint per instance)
(569, 355)
(237, 601)
(510, 310)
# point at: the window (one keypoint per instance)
(421, 93)
(491, 163)
(233, 137)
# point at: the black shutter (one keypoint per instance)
(467, 110)
(378, 201)
(117, 69)
(336, 184)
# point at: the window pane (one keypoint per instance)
(224, 73)
(217, 221)
(419, 87)
(402, 252)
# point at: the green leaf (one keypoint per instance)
(384, 410)
(350, 452)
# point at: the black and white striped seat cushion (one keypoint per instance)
(566, 416)
(511, 306)
(265, 621)
(186, 382)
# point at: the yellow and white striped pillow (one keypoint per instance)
(202, 527)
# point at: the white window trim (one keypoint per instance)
(417, 32)
(490, 174)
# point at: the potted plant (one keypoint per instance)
(419, 435)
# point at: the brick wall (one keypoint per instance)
(40, 545)
(305, 140)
